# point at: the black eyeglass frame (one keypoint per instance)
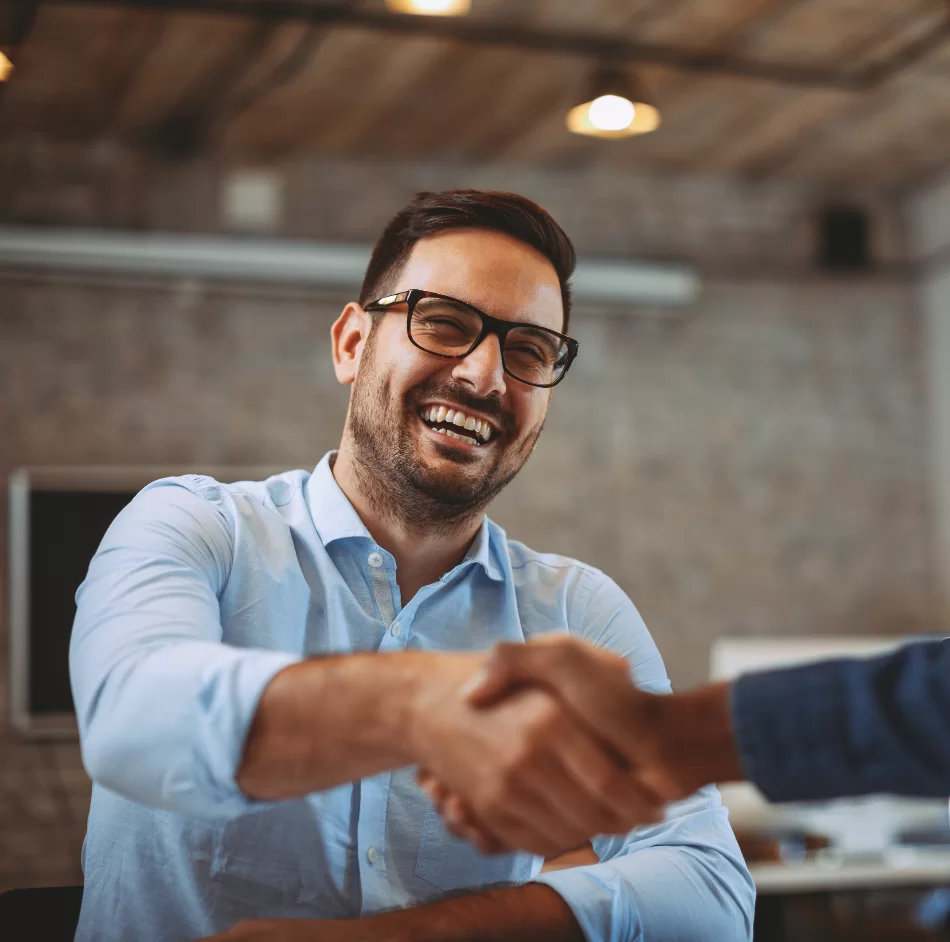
(490, 325)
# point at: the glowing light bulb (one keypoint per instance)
(611, 113)
(432, 6)
(6, 67)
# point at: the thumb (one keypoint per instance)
(506, 667)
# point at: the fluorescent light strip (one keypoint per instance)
(306, 263)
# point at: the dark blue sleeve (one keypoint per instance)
(848, 727)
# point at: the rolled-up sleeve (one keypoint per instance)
(683, 879)
(163, 704)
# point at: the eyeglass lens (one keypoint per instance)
(441, 326)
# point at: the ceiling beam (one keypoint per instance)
(16, 18)
(594, 46)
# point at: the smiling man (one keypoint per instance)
(260, 668)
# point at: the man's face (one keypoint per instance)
(398, 386)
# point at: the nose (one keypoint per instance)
(482, 369)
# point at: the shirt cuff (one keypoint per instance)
(791, 730)
(225, 707)
(599, 899)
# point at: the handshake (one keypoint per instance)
(571, 749)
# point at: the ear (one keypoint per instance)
(347, 336)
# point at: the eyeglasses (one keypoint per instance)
(447, 327)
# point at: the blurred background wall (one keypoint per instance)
(757, 462)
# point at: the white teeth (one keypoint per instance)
(440, 414)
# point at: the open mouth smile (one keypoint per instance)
(457, 425)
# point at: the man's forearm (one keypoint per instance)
(330, 720)
(530, 913)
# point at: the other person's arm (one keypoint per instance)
(817, 731)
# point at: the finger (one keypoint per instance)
(509, 666)
(433, 787)
(460, 820)
(593, 783)
(584, 815)
(527, 821)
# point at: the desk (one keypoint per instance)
(902, 867)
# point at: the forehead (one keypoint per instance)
(494, 271)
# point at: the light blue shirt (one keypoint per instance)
(198, 595)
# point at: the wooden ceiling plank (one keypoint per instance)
(833, 33)
(537, 90)
(395, 69)
(908, 23)
(698, 24)
(72, 67)
(290, 119)
(872, 147)
(827, 147)
(179, 67)
(792, 112)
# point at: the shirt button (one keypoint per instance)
(371, 855)
(375, 560)
(396, 629)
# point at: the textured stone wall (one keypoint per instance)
(754, 464)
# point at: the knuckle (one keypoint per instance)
(608, 782)
(547, 719)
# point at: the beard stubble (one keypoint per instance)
(391, 473)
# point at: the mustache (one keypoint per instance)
(489, 406)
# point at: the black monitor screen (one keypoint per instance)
(66, 528)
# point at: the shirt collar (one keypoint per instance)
(335, 518)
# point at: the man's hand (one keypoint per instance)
(671, 744)
(531, 772)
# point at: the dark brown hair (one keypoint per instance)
(431, 213)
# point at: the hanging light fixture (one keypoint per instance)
(6, 67)
(614, 107)
(431, 7)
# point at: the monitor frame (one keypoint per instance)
(23, 482)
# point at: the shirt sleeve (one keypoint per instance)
(848, 727)
(683, 879)
(163, 704)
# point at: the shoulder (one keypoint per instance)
(579, 579)
(224, 499)
(595, 608)
(199, 509)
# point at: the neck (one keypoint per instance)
(423, 552)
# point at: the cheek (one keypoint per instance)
(530, 413)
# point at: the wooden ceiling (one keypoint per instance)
(833, 91)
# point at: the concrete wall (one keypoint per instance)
(755, 464)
